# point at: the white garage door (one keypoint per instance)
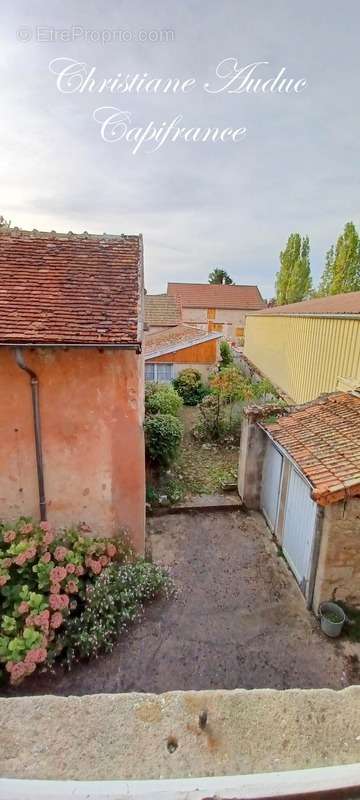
(270, 488)
(299, 527)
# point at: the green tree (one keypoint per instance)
(342, 265)
(293, 281)
(219, 275)
(226, 355)
(6, 224)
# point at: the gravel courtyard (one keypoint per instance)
(237, 620)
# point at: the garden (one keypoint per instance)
(66, 596)
(193, 430)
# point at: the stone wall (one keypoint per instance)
(148, 736)
(338, 572)
(251, 457)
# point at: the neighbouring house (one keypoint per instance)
(161, 312)
(307, 348)
(169, 352)
(216, 308)
(71, 380)
(301, 468)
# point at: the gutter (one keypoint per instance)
(66, 345)
(34, 383)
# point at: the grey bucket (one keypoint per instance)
(329, 627)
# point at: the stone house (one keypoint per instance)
(216, 308)
(301, 468)
(168, 352)
(161, 312)
(71, 380)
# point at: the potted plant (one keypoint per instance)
(332, 619)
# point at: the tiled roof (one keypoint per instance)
(212, 295)
(70, 289)
(162, 310)
(175, 338)
(348, 303)
(323, 438)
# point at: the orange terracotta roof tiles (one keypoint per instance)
(162, 310)
(334, 304)
(212, 295)
(323, 438)
(173, 338)
(70, 289)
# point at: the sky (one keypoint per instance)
(198, 204)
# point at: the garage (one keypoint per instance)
(289, 511)
(301, 467)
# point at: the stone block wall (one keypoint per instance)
(338, 572)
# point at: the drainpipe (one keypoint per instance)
(34, 382)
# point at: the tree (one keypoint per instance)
(342, 265)
(4, 223)
(219, 275)
(293, 281)
(226, 355)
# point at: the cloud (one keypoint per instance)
(198, 205)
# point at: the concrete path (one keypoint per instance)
(238, 620)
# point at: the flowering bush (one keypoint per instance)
(112, 602)
(44, 581)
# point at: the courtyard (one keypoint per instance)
(236, 620)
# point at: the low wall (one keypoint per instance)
(338, 572)
(144, 736)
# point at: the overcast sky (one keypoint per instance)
(198, 205)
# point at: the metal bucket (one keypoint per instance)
(329, 626)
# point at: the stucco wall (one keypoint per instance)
(230, 318)
(92, 414)
(339, 558)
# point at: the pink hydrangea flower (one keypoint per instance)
(9, 536)
(10, 665)
(95, 567)
(46, 558)
(58, 574)
(70, 569)
(44, 526)
(36, 656)
(48, 538)
(111, 550)
(55, 588)
(17, 673)
(20, 560)
(24, 607)
(6, 563)
(79, 571)
(56, 620)
(60, 553)
(64, 602)
(3, 580)
(26, 529)
(30, 553)
(71, 587)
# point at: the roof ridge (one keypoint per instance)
(35, 233)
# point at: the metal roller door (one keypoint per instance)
(299, 527)
(271, 481)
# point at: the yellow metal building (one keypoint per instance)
(308, 348)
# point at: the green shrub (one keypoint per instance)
(226, 354)
(211, 425)
(189, 386)
(163, 434)
(112, 603)
(163, 400)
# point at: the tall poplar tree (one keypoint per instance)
(342, 264)
(293, 281)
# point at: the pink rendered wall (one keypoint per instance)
(92, 428)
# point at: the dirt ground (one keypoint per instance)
(237, 620)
